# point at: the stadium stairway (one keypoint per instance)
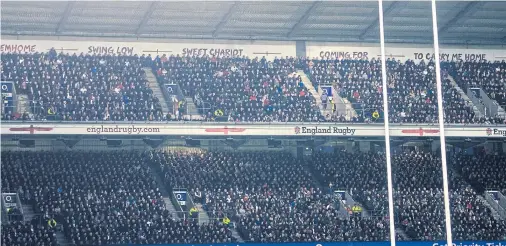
(309, 85)
(23, 104)
(155, 87)
(236, 235)
(165, 193)
(318, 180)
(191, 110)
(343, 105)
(28, 212)
(351, 202)
(61, 239)
(463, 94)
(402, 233)
(204, 219)
(495, 213)
(203, 216)
(497, 205)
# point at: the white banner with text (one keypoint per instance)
(249, 130)
(336, 51)
(269, 50)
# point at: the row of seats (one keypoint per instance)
(278, 188)
(271, 196)
(245, 90)
(418, 194)
(115, 88)
(20, 233)
(104, 197)
(82, 87)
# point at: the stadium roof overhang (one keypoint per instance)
(460, 22)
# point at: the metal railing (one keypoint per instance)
(480, 99)
(495, 204)
(111, 122)
(364, 116)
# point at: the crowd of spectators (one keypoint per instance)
(27, 233)
(420, 200)
(411, 90)
(82, 87)
(418, 194)
(97, 88)
(271, 196)
(102, 198)
(490, 76)
(483, 171)
(347, 171)
(242, 89)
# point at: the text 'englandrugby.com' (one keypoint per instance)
(123, 129)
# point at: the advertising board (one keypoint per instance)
(231, 129)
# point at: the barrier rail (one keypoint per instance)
(495, 205)
(48, 122)
(418, 243)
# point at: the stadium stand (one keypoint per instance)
(82, 87)
(418, 194)
(271, 196)
(91, 157)
(19, 233)
(420, 200)
(488, 75)
(244, 90)
(483, 171)
(101, 198)
(411, 90)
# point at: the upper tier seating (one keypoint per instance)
(115, 88)
(83, 87)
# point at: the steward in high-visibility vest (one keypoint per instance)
(51, 111)
(356, 209)
(375, 115)
(51, 223)
(226, 220)
(193, 212)
(218, 113)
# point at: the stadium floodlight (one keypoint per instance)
(441, 125)
(387, 126)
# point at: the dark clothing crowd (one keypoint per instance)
(489, 76)
(418, 192)
(242, 89)
(113, 197)
(81, 87)
(411, 88)
(486, 172)
(99, 198)
(26, 233)
(115, 88)
(271, 196)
